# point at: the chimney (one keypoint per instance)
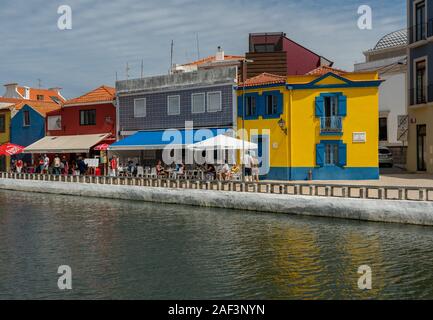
(219, 55)
(12, 91)
(26, 94)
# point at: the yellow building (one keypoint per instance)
(321, 126)
(5, 136)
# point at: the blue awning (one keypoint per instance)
(157, 140)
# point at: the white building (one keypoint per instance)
(389, 58)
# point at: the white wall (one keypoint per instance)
(392, 99)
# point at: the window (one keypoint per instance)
(54, 123)
(420, 23)
(88, 117)
(26, 118)
(261, 48)
(173, 105)
(383, 129)
(2, 123)
(331, 106)
(421, 80)
(214, 101)
(271, 104)
(251, 106)
(40, 97)
(140, 108)
(198, 103)
(331, 154)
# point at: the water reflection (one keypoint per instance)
(128, 250)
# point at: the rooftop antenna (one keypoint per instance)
(142, 68)
(39, 83)
(116, 76)
(171, 56)
(127, 71)
(198, 46)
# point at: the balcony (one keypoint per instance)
(331, 125)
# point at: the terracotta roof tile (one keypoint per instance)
(320, 71)
(40, 106)
(46, 93)
(263, 79)
(101, 94)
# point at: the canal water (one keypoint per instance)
(133, 250)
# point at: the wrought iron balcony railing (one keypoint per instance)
(331, 124)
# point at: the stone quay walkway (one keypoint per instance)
(390, 187)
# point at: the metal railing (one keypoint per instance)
(283, 188)
(331, 124)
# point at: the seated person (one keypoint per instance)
(225, 172)
(160, 171)
(210, 171)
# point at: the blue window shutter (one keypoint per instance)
(320, 155)
(240, 106)
(342, 106)
(320, 102)
(342, 154)
(280, 98)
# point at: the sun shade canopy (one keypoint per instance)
(158, 140)
(66, 144)
(223, 142)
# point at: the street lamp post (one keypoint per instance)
(244, 78)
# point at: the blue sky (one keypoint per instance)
(107, 34)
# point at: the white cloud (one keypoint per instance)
(107, 34)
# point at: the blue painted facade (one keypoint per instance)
(26, 135)
(322, 173)
(420, 35)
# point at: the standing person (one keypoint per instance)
(46, 164)
(41, 165)
(57, 165)
(65, 166)
(114, 165)
(255, 170)
(82, 166)
(248, 166)
(19, 165)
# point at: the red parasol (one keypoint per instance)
(101, 147)
(10, 149)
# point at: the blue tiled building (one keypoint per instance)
(420, 85)
(204, 98)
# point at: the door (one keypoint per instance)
(421, 147)
(263, 155)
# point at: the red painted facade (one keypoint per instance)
(275, 53)
(70, 120)
(102, 120)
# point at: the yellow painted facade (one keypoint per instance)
(294, 156)
(5, 137)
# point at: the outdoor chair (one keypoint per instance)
(140, 172)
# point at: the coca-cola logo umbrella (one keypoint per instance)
(10, 149)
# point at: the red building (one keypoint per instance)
(92, 113)
(276, 54)
(81, 124)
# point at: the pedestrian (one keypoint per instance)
(82, 166)
(255, 168)
(46, 164)
(19, 165)
(57, 165)
(114, 166)
(247, 165)
(65, 166)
